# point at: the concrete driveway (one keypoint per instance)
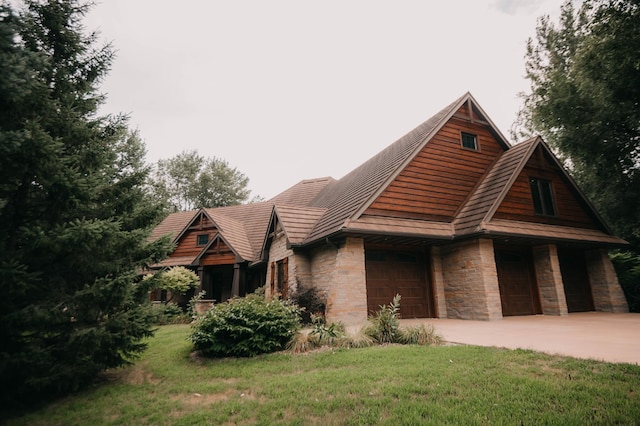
(596, 335)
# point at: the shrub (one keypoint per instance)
(385, 324)
(360, 339)
(302, 342)
(419, 335)
(326, 334)
(246, 327)
(177, 281)
(169, 313)
(310, 303)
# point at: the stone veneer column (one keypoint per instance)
(437, 282)
(471, 280)
(605, 288)
(347, 295)
(549, 277)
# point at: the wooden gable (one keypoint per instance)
(437, 181)
(218, 253)
(571, 209)
(187, 243)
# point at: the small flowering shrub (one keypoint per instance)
(246, 327)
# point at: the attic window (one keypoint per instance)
(469, 141)
(203, 239)
(542, 194)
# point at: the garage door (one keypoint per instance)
(405, 273)
(518, 290)
(575, 278)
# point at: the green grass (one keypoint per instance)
(378, 385)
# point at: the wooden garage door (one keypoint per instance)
(575, 278)
(518, 290)
(405, 273)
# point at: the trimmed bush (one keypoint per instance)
(246, 327)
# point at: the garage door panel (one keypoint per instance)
(575, 279)
(391, 273)
(518, 292)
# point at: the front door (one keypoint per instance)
(518, 289)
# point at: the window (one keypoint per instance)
(469, 141)
(542, 195)
(283, 277)
(203, 239)
(279, 281)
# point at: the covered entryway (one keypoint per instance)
(575, 278)
(391, 272)
(518, 289)
(217, 282)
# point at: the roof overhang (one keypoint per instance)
(173, 261)
(550, 233)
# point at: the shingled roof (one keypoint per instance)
(493, 188)
(172, 225)
(314, 209)
(477, 214)
(347, 198)
(244, 227)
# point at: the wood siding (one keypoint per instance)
(218, 254)
(518, 203)
(187, 245)
(439, 179)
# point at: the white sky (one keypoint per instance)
(287, 90)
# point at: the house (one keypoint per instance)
(452, 217)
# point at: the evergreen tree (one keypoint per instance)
(74, 216)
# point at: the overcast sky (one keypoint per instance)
(286, 90)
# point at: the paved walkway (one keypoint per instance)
(596, 335)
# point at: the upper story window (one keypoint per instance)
(469, 140)
(542, 194)
(203, 239)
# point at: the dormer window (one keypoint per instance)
(542, 194)
(202, 240)
(469, 141)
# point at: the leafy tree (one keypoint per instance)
(177, 281)
(188, 181)
(585, 101)
(74, 214)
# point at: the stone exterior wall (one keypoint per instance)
(470, 280)
(322, 261)
(339, 275)
(278, 251)
(549, 277)
(605, 288)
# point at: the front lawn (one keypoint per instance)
(378, 385)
